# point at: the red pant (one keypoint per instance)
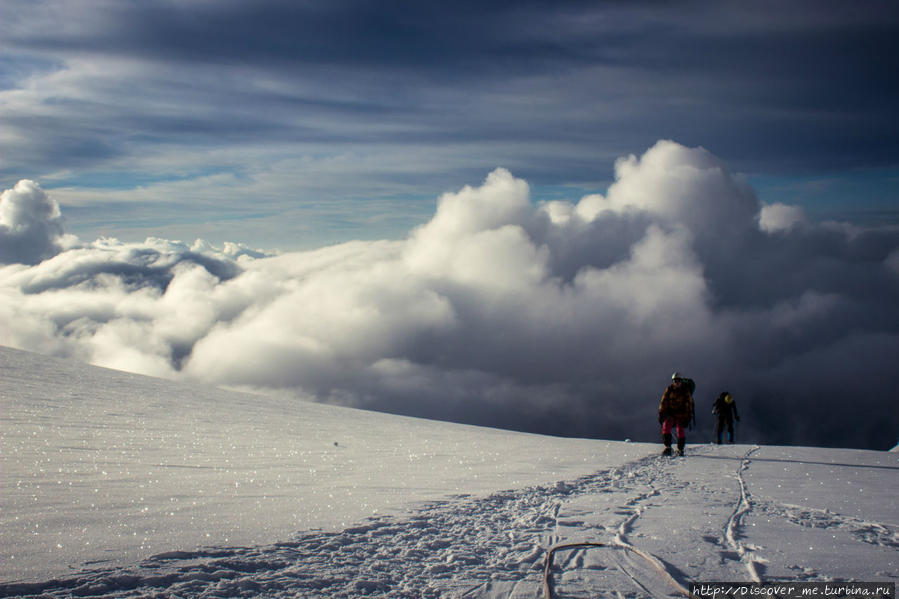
(670, 423)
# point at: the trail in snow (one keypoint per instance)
(496, 546)
(644, 571)
(464, 546)
(697, 519)
(735, 521)
(103, 468)
(498, 539)
(143, 482)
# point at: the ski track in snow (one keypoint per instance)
(474, 547)
(622, 564)
(461, 547)
(744, 505)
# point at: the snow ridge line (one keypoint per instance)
(735, 521)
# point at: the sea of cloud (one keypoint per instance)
(503, 310)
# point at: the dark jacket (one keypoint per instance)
(677, 403)
(726, 411)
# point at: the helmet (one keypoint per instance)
(676, 376)
(728, 398)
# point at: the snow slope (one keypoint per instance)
(119, 485)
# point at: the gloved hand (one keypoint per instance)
(661, 419)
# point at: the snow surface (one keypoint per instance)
(116, 485)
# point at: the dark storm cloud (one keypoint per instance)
(401, 35)
(503, 310)
(772, 87)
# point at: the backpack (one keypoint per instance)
(691, 385)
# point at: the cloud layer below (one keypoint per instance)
(502, 310)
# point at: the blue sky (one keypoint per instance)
(299, 124)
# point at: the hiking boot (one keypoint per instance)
(667, 450)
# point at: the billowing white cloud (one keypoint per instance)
(506, 311)
(687, 186)
(31, 226)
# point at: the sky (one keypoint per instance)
(301, 124)
(522, 215)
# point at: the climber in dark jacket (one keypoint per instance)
(725, 408)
